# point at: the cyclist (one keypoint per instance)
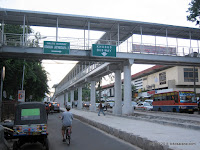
(67, 118)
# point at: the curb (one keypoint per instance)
(136, 140)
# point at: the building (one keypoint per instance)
(162, 78)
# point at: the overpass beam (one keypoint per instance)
(127, 107)
(92, 96)
(80, 97)
(117, 110)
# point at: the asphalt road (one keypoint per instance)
(84, 137)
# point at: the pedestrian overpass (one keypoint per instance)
(118, 34)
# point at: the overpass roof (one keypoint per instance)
(108, 25)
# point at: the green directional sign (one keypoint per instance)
(103, 50)
(51, 47)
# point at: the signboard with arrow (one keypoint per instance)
(103, 50)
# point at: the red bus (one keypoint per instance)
(176, 101)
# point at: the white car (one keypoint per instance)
(144, 106)
(150, 101)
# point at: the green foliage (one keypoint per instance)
(194, 8)
(35, 78)
(14, 34)
(86, 92)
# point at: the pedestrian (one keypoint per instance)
(106, 105)
(101, 109)
(67, 118)
(198, 106)
(47, 108)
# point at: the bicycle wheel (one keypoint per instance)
(68, 138)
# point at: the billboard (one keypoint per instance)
(153, 49)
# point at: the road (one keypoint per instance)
(83, 137)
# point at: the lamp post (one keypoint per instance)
(2, 78)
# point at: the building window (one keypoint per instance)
(189, 75)
(162, 78)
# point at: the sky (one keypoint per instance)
(171, 12)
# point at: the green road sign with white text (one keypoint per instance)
(51, 47)
(103, 50)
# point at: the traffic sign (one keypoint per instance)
(103, 50)
(21, 95)
(52, 47)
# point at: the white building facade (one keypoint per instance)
(162, 78)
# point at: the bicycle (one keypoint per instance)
(68, 135)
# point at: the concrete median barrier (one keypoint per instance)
(136, 140)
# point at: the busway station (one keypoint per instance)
(115, 51)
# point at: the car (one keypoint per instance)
(110, 104)
(54, 106)
(143, 106)
(150, 101)
(86, 104)
(133, 104)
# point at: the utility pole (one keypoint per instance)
(2, 79)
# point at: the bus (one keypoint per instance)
(175, 101)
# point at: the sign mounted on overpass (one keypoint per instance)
(52, 47)
(103, 50)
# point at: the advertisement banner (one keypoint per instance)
(153, 49)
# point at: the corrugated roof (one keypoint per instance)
(108, 25)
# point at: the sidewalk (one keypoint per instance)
(144, 134)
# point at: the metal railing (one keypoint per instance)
(31, 40)
(72, 77)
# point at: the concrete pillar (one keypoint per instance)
(117, 110)
(92, 96)
(71, 97)
(66, 98)
(62, 100)
(127, 107)
(80, 98)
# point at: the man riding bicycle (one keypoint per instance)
(67, 118)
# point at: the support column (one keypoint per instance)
(23, 42)
(66, 98)
(92, 96)
(71, 97)
(61, 100)
(57, 29)
(2, 34)
(88, 35)
(127, 107)
(117, 110)
(80, 97)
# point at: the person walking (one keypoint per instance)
(101, 109)
(198, 106)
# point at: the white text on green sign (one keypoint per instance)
(52, 47)
(104, 50)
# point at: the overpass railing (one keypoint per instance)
(37, 40)
(79, 71)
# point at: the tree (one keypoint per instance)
(86, 92)
(194, 10)
(35, 78)
(14, 34)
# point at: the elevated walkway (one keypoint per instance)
(144, 134)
